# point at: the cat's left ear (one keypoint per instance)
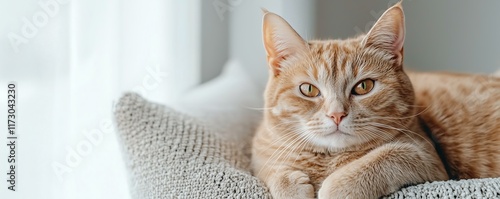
(388, 33)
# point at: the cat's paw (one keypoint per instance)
(298, 177)
(331, 191)
(343, 187)
(300, 185)
(294, 184)
(338, 190)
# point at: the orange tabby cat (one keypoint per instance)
(341, 116)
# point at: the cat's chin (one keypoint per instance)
(337, 140)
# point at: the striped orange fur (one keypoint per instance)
(463, 113)
(340, 144)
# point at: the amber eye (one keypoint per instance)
(309, 90)
(363, 87)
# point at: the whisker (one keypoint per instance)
(405, 131)
(287, 135)
(277, 151)
(306, 139)
(287, 147)
(257, 108)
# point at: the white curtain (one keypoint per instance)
(71, 60)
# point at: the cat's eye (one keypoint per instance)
(363, 87)
(309, 90)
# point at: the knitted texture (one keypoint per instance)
(172, 155)
(472, 188)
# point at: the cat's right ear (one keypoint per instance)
(280, 40)
(388, 33)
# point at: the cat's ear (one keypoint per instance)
(388, 33)
(280, 40)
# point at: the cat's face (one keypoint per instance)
(338, 93)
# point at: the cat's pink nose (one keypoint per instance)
(337, 117)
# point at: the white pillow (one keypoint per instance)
(231, 104)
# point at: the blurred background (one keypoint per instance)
(72, 59)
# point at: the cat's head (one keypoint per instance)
(338, 93)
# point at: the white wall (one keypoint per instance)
(214, 38)
(453, 35)
(447, 35)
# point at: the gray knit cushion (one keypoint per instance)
(172, 155)
(473, 188)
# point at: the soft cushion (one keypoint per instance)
(473, 188)
(172, 155)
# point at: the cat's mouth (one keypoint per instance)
(337, 133)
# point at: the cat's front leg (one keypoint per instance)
(348, 185)
(383, 171)
(290, 184)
